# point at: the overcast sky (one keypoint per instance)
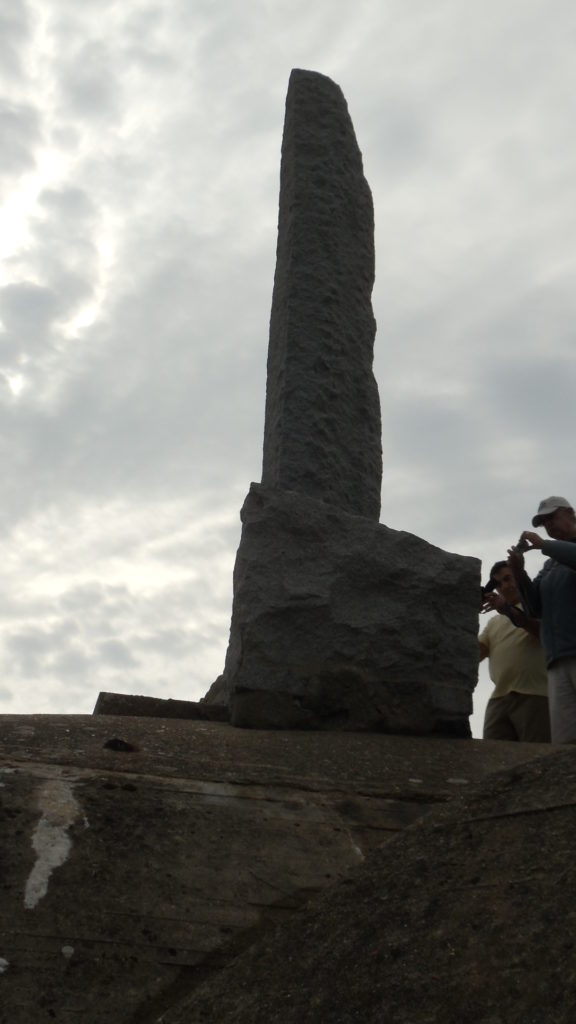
(139, 164)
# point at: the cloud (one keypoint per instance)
(28, 308)
(134, 612)
(20, 137)
(14, 27)
(90, 83)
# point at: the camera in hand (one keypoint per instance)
(521, 546)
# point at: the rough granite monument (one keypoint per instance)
(338, 621)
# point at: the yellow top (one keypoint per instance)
(516, 659)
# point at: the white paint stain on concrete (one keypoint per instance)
(68, 951)
(4, 965)
(51, 841)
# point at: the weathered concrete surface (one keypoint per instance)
(128, 876)
(339, 622)
(322, 433)
(467, 917)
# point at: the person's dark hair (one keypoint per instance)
(491, 585)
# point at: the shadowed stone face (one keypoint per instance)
(322, 431)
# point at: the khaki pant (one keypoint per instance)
(562, 695)
(518, 716)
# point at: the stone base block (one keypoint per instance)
(342, 623)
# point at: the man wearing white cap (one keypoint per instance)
(551, 597)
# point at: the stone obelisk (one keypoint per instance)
(322, 434)
(338, 621)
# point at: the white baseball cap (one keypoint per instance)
(547, 506)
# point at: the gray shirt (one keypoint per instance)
(551, 597)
